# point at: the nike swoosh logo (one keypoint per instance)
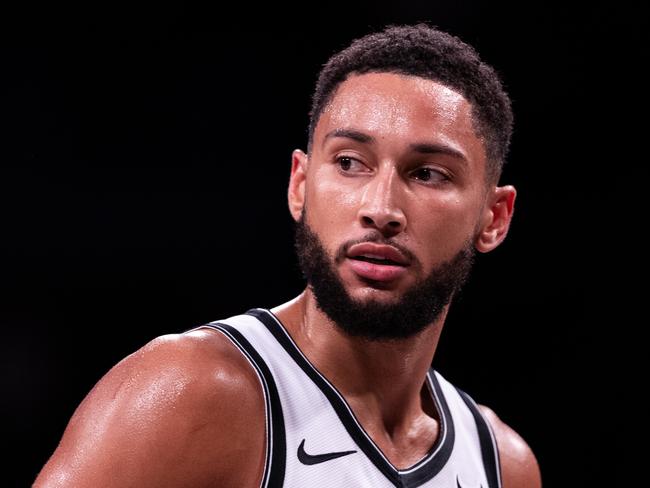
(310, 459)
(461, 486)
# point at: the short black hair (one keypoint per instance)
(424, 51)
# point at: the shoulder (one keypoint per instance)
(519, 468)
(166, 412)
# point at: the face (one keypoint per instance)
(395, 186)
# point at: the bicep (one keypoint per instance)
(107, 439)
(155, 420)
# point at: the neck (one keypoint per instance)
(381, 380)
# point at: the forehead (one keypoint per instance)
(389, 105)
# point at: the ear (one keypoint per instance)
(496, 218)
(296, 193)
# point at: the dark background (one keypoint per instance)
(143, 168)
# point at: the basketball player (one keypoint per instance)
(398, 189)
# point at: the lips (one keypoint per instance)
(378, 254)
(377, 262)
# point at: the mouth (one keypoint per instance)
(377, 263)
(376, 270)
(377, 260)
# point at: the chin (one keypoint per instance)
(358, 287)
(375, 291)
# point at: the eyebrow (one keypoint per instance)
(419, 147)
(428, 148)
(350, 134)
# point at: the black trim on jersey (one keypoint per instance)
(275, 453)
(417, 474)
(437, 462)
(489, 450)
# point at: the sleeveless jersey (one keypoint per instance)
(314, 440)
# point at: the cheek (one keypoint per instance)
(330, 207)
(445, 225)
(328, 200)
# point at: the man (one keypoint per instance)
(408, 133)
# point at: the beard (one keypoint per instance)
(418, 307)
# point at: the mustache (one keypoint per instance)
(375, 239)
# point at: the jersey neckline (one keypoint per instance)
(415, 475)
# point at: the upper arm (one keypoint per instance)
(165, 416)
(519, 468)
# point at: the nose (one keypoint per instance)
(380, 205)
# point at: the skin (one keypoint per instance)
(165, 415)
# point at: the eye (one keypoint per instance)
(349, 164)
(429, 175)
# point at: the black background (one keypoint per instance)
(144, 162)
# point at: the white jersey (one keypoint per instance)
(314, 440)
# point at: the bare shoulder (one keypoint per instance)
(519, 467)
(181, 411)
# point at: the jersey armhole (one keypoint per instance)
(489, 449)
(275, 459)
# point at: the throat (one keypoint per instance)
(404, 439)
(405, 451)
(396, 416)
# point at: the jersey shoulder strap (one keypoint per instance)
(274, 466)
(487, 440)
